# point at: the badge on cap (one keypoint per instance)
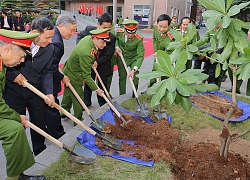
(101, 34)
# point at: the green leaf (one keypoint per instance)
(180, 63)
(173, 45)
(150, 75)
(184, 79)
(213, 43)
(210, 13)
(195, 72)
(183, 89)
(161, 90)
(226, 51)
(175, 54)
(226, 20)
(153, 89)
(185, 103)
(171, 84)
(241, 44)
(176, 35)
(247, 26)
(247, 51)
(239, 61)
(191, 31)
(170, 97)
(192, 48)
(233, 33)
(236, 24)
(206, 87)
(245, 73)
(223, 40)
(208, 4)
(228, 4)
(233, 10)
(243, 5)
(221, 4)
(217, 70)
(213, 22)
(165, 62)
(225, 66)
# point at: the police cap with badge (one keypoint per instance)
(101, 34)
(130, 26)
(21, 39)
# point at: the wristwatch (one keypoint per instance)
(135, 68)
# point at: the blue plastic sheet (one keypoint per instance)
(88, 140)
(244, 106)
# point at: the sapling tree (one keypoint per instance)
(178, 83)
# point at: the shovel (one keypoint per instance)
(117, 106)
(96, 123)
(107, 140)
(142, 109)
(115, 111)
(80, 154)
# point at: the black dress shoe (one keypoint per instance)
(26, 177)
(228, 90)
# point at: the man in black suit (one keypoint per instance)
(18, 22)
(6, 21)
(103, 62)
(37, 70)
(64, 29)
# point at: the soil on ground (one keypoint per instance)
(215, 105)
(195, 157)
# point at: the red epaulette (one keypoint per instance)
(120, 30)
(138, 36)
(170, 36)
(1, 65)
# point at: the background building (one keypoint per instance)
(138, 10)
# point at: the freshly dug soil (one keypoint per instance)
(196, 161)
(215, 105)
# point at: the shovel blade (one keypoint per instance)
(142, 110)
(84, 155)
(118, 107)
(98, 124)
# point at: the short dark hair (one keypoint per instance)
(105, 17)
(41, 24)
(186, 18)
(164, 17)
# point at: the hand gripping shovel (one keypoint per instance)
(117, 106)
(106, 139)
(96, 123)
(80, 154)
(142, 109)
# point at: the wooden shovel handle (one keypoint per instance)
(103, 86)
(130, 79)
(43, 133)
(77, 96)
(77, 121)
(111, 105)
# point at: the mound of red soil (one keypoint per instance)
(159, 141)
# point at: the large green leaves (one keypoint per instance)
(164, 63)
(214, 6)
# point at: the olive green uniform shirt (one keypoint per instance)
(79, 64)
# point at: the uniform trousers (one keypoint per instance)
(36, 108)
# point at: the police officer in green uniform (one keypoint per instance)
(130, 44)
(12, 134)
(161, 37)
(78, 68)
